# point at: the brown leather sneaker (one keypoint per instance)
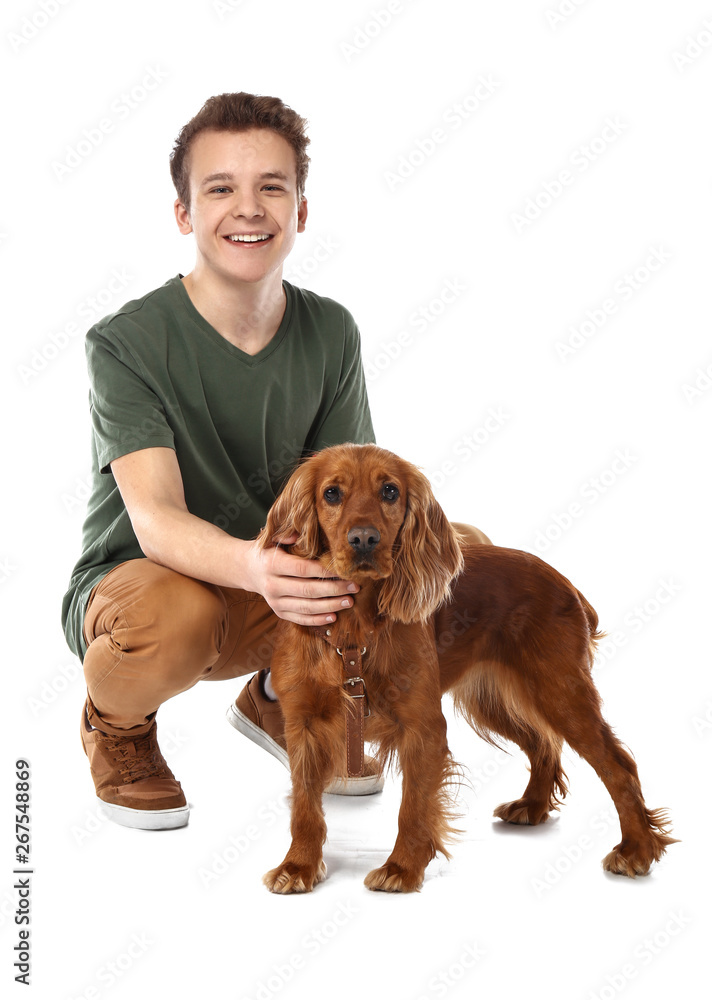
(260, 719)
(132, 780)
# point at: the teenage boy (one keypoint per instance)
(205, 393)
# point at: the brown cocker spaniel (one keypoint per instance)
(508, 636)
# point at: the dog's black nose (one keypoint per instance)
(364, 539)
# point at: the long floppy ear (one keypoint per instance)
(294, 510)
(427, 557)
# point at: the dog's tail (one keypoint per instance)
(595, 634)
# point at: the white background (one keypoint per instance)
(534, 905)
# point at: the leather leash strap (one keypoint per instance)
(356, 689)
(355, 715)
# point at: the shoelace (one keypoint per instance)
(140, 757)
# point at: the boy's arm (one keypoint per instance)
(151, 487)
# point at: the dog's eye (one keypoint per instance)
(332, 494)
(390, 493)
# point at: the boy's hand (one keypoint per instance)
(297, 589)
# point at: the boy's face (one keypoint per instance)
(242, 183)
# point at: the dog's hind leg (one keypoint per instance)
(493, 709)
(573, 710)
(546, 779)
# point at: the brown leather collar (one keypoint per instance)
(352, 658)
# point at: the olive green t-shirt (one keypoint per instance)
(161, 376)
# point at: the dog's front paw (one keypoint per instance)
(289, 877)
(522, 811)
(392, 878)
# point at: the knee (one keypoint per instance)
(167, 616)
(188, 617)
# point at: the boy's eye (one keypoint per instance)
(267, 187)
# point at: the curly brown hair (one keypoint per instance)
(236, 113)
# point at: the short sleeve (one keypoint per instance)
(126, 413)
(348, 419)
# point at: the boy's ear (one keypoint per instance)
(302, 212)
(182, 217)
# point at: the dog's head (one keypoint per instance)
(367, 514)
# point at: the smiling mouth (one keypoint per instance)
(250, 240)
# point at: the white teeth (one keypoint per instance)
(249, 239)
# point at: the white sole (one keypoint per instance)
(243, 725)
(367, 785)
(147, 819)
